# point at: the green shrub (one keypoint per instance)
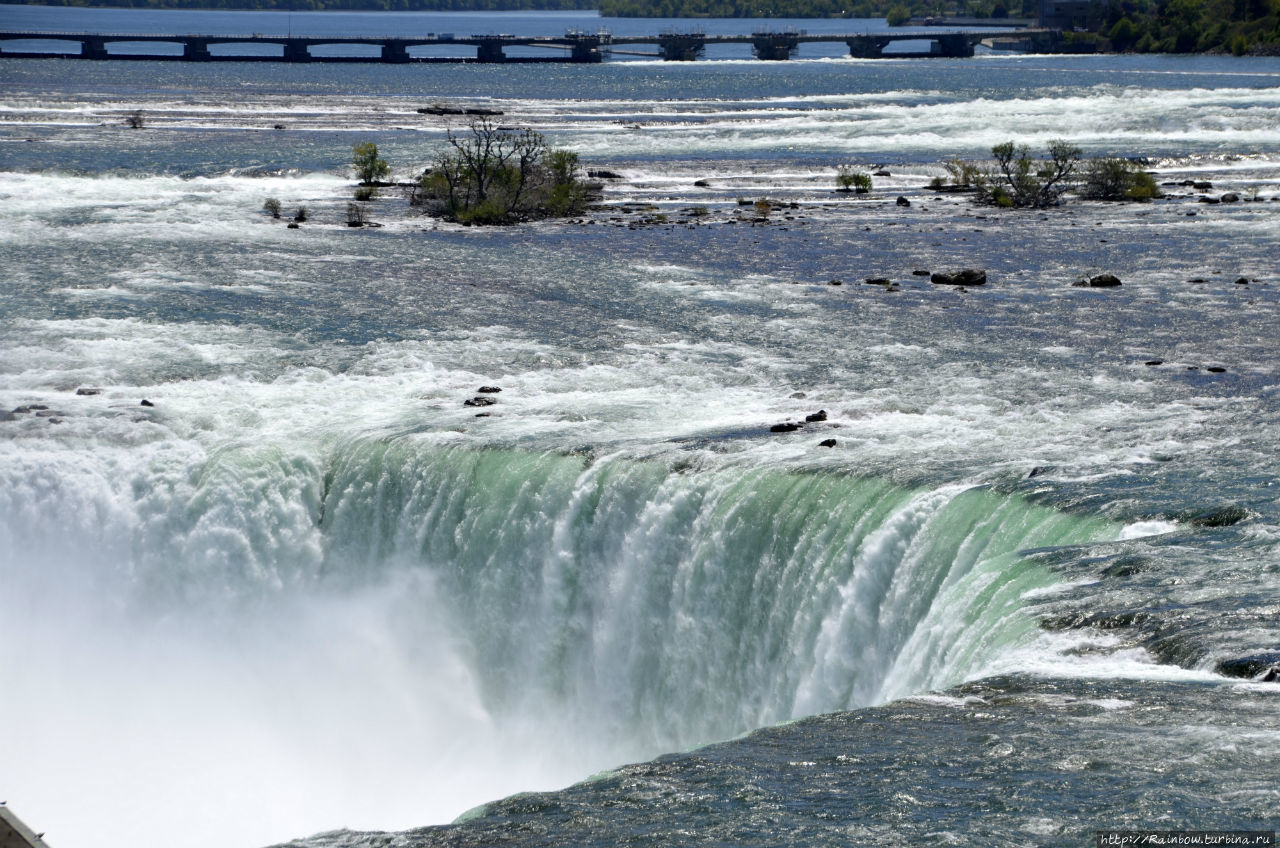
(272, 207)
(1018, 180)
(847, 179)
(1111, 178)
(366, 192)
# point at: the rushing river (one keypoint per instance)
(303, 588)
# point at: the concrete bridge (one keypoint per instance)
(573, 46)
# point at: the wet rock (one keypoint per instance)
(87, 392)
(455, 110)
(702, 183)
(1038, 470)
(601, 174)
(1224, 516)
(967, 277)
(480, 400)
(878, 281)
(881, 173)
(919, 272)
(785, 427)
(827, 443)
(1207, 199)
(146, 402)
(835, 282)
(1242, 281)
(1104, 281)
(902, 201)
(820, 415)
(293, 225)
(1127, 566)
(798, 395)
(1216, 369)
(489, 390)
(1264, 666)
(1154, 362)
(1230, 197)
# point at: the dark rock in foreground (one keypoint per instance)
(967, 277)
(1104, 281)
(1266, 665)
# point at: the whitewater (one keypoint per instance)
(264, 572)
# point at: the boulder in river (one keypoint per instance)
(967, 277)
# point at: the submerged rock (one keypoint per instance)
(1104, 281)
(967, 277)
(785, 427)
(827, 443)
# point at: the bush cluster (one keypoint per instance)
(493, 175)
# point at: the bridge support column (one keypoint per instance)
(195, 50)
(94, 48)
(774, 47)
(296, 51)
(954, 46)
(395, 51)
(866, 47)
(490, 50)
(681, 48)
(586, 50)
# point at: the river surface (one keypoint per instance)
(265, 575)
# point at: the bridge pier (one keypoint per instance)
(586, 49)
(490, 50)
(94, 48)
(774, 46)
(296, 51)
(681, 48)
(867, 47)
(954, 46)
(195, 50)
(395, 51)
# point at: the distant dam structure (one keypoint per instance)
(574, 46)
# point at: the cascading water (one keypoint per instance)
(460, 603)
(687, 605)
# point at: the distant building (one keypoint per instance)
(1072, 14)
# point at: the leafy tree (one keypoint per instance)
(370, 167)
(272, 207)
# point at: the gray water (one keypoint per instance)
(308, 586)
